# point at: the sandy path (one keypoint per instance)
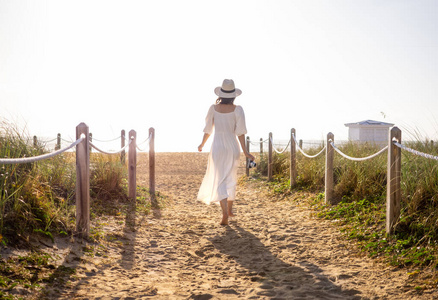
(272, 250)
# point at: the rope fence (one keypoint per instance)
(114, 152)
(280, 152)
(144, 142)
(64, 140)
(83, 146)
(258, 143)
(418, 153)
(108, 141)
(28, 160)
(357, 158)
(393, 147)
(302, 151)
(48, 141)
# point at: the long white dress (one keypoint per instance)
(221, 176)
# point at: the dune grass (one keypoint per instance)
(39, 197)
(360, 191)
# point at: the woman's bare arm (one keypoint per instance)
(242, 144)
(204, 140)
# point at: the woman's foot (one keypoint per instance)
(225, 209)
(230, 208)
(224, 221)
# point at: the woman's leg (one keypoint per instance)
(230, 208)
(224, 206)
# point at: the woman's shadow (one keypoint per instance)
(277, 278)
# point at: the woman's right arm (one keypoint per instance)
(242, 145)
(241, 131)
(204, 140)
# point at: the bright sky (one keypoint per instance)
(309, 65)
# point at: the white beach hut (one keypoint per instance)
(368, 131)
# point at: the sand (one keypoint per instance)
(271, 250)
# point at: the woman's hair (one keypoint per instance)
(225, 100)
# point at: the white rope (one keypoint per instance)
(360, 158)
(116, 152)
(279, 152)
(415, 151)
(311, 156)
(49, 141)
(67, 141)
(8, 161)
(107, 141)
(302, 151)
(138, 148)
(259, 142)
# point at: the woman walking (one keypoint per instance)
(228, 121)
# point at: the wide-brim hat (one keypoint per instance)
(227, 90)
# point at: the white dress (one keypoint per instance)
(221, 176)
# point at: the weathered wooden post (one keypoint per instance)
(132, 166)
(35, 141)
(300, 143)
(91, 140)
(58, 142)
(329, 185)
(82, 182)
(270, 157)
(393, 191)
(261, 148)
(293, 159)
(152, 167)
(122, 143)
(247, 159)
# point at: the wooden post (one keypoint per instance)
(393, 191)
(261, 148)
(82, 182)
(152, 167)
(247, 159)
(58, 141)
(91, 140)
(35, 141)
(122, 143)
(293, 159)
(300, 143)
(270, 157)
(132, 166)
(329, 185)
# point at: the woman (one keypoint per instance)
(228, 120)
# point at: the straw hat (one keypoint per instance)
(227, 90)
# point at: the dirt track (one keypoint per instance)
(271, 250)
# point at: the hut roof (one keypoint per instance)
(369, 123)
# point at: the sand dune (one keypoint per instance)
(271, 250)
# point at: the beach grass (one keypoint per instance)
(39, 198)
(360, 191)
(37, 201)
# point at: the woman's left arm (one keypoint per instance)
(208, 129)
(204, 139)
(242, 144)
